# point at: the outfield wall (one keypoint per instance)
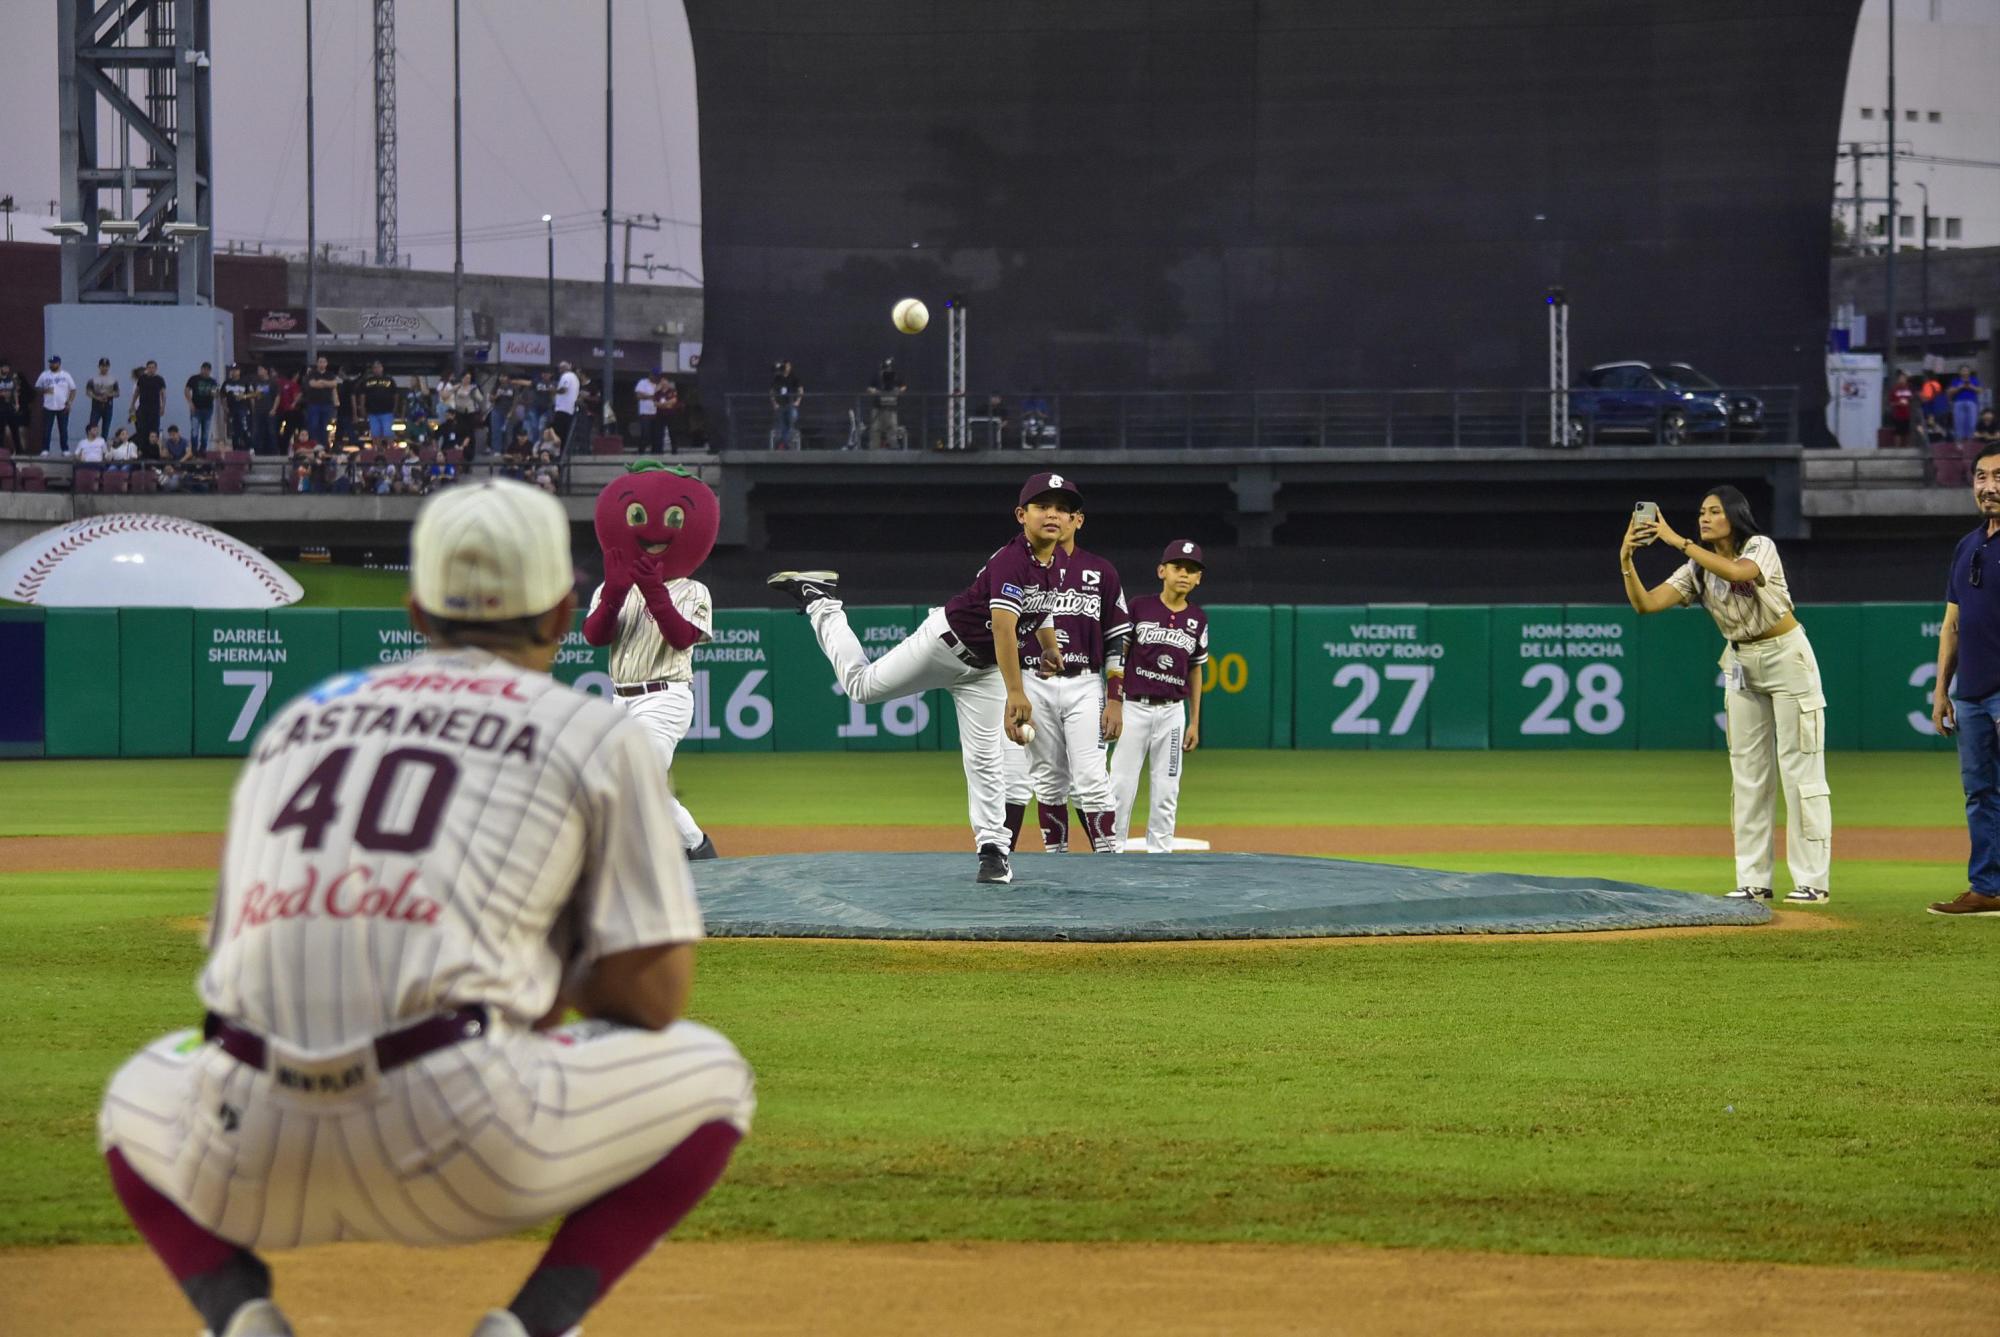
(176, 682)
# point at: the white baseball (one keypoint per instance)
(1027, 734)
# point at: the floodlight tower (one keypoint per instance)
(385, 133)
(164, 252)
(1558, 303)
(954, 373)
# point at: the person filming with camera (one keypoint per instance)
(1774, 702)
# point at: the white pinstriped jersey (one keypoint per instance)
(444, 831)
(640, 653)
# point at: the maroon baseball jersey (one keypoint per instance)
(1166, 647)
(1088, 612)
(1011, 579)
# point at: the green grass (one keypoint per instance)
(1823, 1097)
(1220, 788)
(329, 586)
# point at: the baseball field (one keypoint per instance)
(1775, 1129)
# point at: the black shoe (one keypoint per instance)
(993, 865)
(805, 587)
(705, 850)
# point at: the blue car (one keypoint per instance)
(1667, 402)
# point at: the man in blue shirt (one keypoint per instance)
(1970, 645)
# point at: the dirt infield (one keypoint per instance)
(130, 853)
(1013, 1290)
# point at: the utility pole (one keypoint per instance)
(457, 208)
(1860, 236)
(610, 299)
(8, 207)
(636, 221)
(1889, 152)
(1924, 273)
(312, 215)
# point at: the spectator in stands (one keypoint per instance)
(468, 406)
(503, 391)
(375, 476)
(885, 399)
(93, 448)
(124, 452)
(1935, 406)
(647, 393)
(1964, 402)
(264, 412)
(1902, 402)
(788, 393)
(410, 477)
(58, 389)
(13, 411)
(378, 395)
(440, 473)
(550, 442)
(102, 391)
(1986, 431)
(149, 404)
(350, 417)
(199, 475)
(321, 399)
(548, 474)
(169, 476)
(176, 445)
(289, 405)
(569, 390)
(668, 401)
(238, 400)
(200, 396)
(538, 403)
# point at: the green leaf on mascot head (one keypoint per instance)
(659, 466)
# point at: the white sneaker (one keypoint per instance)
(1807, 896)
(1749, 894)
(259, 1318)
(502, 1323)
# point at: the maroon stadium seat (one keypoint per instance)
(145, 480)
(32, 479)
(116, 481)
(607, 445)
(7, 481)
(230, 479)
(87, 478)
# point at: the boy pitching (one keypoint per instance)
(1162, 690)
(1077, 717)
(955, 648)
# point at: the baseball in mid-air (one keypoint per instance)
(1027, 734)
(911, 316)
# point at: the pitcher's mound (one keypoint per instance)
(1138, 898)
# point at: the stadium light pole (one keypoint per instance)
(1889, 157)
(610, 349)
(457, 207)
(312, 214)
(549, 222)
(1924, 273)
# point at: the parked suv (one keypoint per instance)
(1746, 411)
(1643, 399)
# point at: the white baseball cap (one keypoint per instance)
(488, 551)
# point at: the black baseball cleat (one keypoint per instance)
(993, 865)
(705, 850)
(805, 586)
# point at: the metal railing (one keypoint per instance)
(1208, 420)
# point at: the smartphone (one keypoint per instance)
(1647, 513)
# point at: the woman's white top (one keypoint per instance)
(1743, 610)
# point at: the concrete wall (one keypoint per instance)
(654, 313)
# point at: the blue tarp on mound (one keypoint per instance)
(1137, 898)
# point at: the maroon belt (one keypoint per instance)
(392, 1050)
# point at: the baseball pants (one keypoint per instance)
(667, 715)
(1151, 739)
(1777, 735)
(480, 1139)
(1066, 761)
(920, 662)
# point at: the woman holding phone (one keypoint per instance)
(1775, 705)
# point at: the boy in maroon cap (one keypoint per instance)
(954, 649)
(1162, 691)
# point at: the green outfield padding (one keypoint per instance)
(1149, 898)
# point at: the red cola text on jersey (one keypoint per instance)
(352, 893)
